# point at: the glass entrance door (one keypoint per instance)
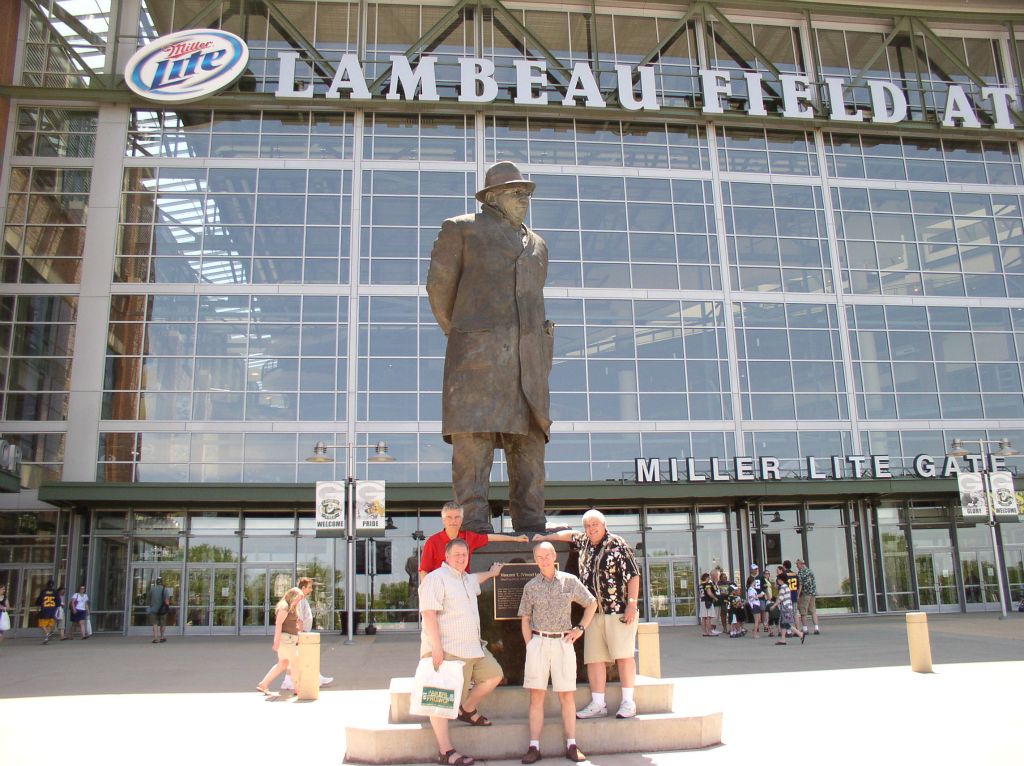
(673, 591)
(1014, 559)
(936, 581)
(143, 578)
(23, 585)
(262, 587)
(212, 599)
(981, 589)
(10, 578)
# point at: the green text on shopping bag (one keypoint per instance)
(435, 697)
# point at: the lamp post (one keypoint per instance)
(956, 449)
(320, 456)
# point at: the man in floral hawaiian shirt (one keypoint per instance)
(609, 570)
(808, 589)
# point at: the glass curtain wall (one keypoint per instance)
(629, 205)
(710, 284)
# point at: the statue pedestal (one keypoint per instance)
(504, 637)
(393, 736)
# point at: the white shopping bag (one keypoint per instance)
(437, 692)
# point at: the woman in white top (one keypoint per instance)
(286, 636)
(5, 615)
(80, 612)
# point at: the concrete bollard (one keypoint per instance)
(649, 649)
(307, 682)
(919, 643)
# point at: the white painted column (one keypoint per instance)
(88, 362)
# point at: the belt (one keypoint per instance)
(542, 634)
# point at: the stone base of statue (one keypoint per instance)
(398, 737)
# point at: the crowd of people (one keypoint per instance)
(54, 610)
(781, 607)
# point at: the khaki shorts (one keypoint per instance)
(806, 604)
(158, 619)
(476, 670)
(288, 648)
(608, 639)
(550, 657)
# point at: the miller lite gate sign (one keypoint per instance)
(186, 66)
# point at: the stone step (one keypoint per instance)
(646, 733)
(652, 695)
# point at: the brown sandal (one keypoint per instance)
(474, 718)
(462, 760)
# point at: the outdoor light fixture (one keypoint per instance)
(380, 452)
(320, 454)
(1006, 449)
(956, 449)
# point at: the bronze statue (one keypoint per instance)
(486, 289)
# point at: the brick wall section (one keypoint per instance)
(9, 14)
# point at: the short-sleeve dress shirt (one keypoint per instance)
(454, 597)
(433, 548)
(548, 603)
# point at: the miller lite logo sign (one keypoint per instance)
(186, 66)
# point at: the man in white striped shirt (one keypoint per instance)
(451, 631)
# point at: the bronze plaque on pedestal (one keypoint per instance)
(508, 589)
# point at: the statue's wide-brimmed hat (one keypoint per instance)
(501, 175)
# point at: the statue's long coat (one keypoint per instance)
(486, 290)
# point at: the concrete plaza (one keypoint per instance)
(844, 696)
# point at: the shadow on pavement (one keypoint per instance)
(118, 665)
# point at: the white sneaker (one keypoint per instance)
(326, 680)
(287, 685)
(716, 632)
(592, 710)
(627, 709)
